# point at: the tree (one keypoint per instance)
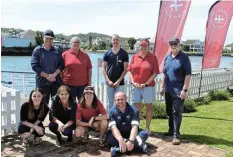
(102, 45)
(186, 48)
(39, 38)
(90, 41)
(94, 48)
(131, 42)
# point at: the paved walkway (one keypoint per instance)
(159, 146)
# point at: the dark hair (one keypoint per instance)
(94, 103)
(31, 114)
(56, 98)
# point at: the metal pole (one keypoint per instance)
(97, 82)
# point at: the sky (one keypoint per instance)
(128, 18)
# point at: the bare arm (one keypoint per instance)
(131, 77)
(104, 65)
(133, 133)
(151, 78)
(116, 133)
(102, 117)
(68, 124)
(124, 72)
(187, 81)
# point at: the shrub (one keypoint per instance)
(202, 100)
(219, 95)
(158, 110)
(189, 105)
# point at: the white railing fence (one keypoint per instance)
(210, 81)
(10, 110)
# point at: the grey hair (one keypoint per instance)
(115, 35)
(75, 39)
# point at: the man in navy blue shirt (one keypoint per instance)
(115, 64)
(175, 83)
(124, 134)
(47, 62)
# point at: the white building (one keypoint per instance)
(194, 45)
(61, 44)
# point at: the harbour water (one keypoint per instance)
(22, 64)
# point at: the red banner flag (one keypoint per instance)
(218, 22)
(172, 17)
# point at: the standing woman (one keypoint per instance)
(78, 68)
(143, 69)
(32, 114)
(62, 114)
(91, 114)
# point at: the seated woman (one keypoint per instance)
(62, 114)
(91, 114)
(32, 114)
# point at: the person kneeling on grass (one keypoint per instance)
(32, 114)
(124, 134)
(91, 114)
(62, 114)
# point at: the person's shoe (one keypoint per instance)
(70, 139)
(144, 148)
(59, 141)
(148, 131)
(115, 151)
(176, 141)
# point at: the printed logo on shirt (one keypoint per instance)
(128, 117)
(119, 117)
(120, 61)
(69, 108)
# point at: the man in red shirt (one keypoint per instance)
(143, 69)
(78, 68)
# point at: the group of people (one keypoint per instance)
(66, 78)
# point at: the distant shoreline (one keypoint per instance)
(28, 52)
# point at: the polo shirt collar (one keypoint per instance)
(176, 55)
(79, 52)
(52, 47)
(126, 108)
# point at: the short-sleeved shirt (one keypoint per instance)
(143, 68)
(47, 61)
(175, 70)
(76, 72)
(115, 64)
(24, 113)
(124, 121)
(63, 114)
(85, 114)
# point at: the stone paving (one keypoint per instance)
(159, 146)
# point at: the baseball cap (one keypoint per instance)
(174, 40)
(144, 42)
(89, 89)
(49, 33)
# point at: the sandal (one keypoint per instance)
(37, 140)
(25, 143)
(85, 138)
(102, 143)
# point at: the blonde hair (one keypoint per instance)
(75, 39)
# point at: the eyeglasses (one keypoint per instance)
(173, 44)
(76, 42)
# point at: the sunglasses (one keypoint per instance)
(173, 44)
(89, 88)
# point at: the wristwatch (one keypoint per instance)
(131, 141)
(185, 90)
(146, 84)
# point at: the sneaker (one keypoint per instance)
(115, 151)
(148, 131)
(144, 148)
(176, 141)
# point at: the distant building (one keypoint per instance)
(61, 44)
(15, 42)
(29, 34)
(229, 47)
(96, 41)
(194, 45)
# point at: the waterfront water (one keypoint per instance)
(22, 63)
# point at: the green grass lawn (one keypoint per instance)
(212, 125)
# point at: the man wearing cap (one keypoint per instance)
(175, 83)
(143, 68)
(124, 134)
(114, 66)
(47, 62)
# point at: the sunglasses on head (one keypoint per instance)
(89, 88)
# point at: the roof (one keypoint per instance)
(190, 42)
(28, 34)
(229, 45)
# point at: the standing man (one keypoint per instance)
(47, 62)
(114, 66)
(124, 134)
(175, 83)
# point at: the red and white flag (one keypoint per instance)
(172, 17)
(218, 22)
